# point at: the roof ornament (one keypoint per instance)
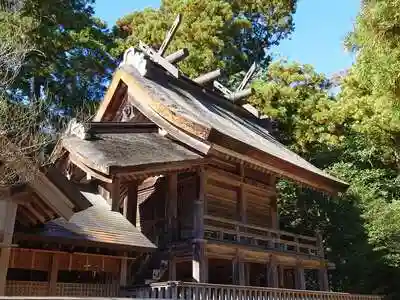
(240, 92)
(80, 130)
(138, 57)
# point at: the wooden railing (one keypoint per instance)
(225, 230)
(202, 291)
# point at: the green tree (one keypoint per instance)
(71, 63)
(226, 34)
(361, 226)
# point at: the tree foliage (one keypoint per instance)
(226, 34)
(355, 136)
(71, 63)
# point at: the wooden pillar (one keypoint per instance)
(273, 276)
(131, 202)
(7, 228)
(116, 194)
(323, 279)
(281, 276)
(242, 272)
(200, 261)
(53, 275)
(172, 204)
(300, 279)
(323, 271)
(242, 203)
(172, 269)
(123, 271)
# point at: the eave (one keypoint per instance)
(206, 139)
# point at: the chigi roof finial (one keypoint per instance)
(139, 58)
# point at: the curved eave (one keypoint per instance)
(205, 138)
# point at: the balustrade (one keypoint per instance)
(202, 291)
(221, 229)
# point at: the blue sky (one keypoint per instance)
(321, 26)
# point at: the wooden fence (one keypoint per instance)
(199, 291)
(41, 289)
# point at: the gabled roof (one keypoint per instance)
(97, 226)
(46, 197)
(207, 122)
(110, 151)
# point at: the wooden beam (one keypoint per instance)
(131, 202)
(300, 281)
(115, 194)
(200, 260)
(323, 279)
(170, 34)
(53, 275)
(172, 269)
(273, 276)
(158, 59)
(81, 165)
(7, 223)
(172, 198)
(237, 96)
(177, 56)
(123, 272)
(247, 77)
(210, 76)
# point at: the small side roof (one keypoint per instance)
(97, 226)
(123, 150)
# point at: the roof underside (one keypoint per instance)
(98, 225)
(193, 103)
(128, 149)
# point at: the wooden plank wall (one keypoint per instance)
(227, 183)
(40, 260)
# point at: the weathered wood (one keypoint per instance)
(115, 194)
(323, 279)
(247, 77)
(199, 291)
(123, 272)
(237, 96)
(131, 202)
(210, 76)
(170, 34)
(157, 58)
(172, 268)
(53, 275)
(300, 280)
(177, 56)
(7, 229)
(272, 269)
(199, 262)
(172, 199)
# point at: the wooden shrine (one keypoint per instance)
(181, 182)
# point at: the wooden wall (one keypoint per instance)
(40, 260)
(228, 185)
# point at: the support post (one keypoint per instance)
(200, 261)
(242, 272)
(323, 279)
(116, 194)
(172, 268)
(323, 271)
(53, 275)
(273, 276)
(123, 272)
(172, 204)
(300, 280)
(7, 228)
(130, 205)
